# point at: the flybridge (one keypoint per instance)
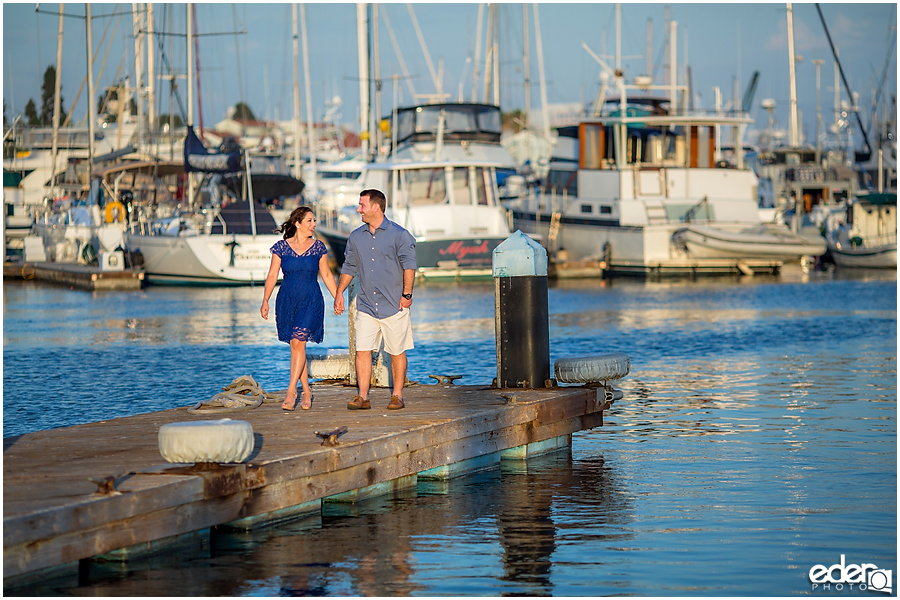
(461, 122)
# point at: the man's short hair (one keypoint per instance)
(375, 196)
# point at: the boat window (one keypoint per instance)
(338, 174)
(606, 210)
(461, 193)
(457, 121)
(404, 124)
(562, 181)
(424, 186)
(489, 119)
(427, 119)
(482, 183)
(587, 209)
(591, 146)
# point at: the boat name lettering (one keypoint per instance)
(238, 255)
(460, 250)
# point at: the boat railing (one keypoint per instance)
(222, 221)
(693, 211)
(636, 115)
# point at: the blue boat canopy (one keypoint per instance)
(198, 159)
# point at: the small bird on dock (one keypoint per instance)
(106, 486)
(331, 438)
(445, 379)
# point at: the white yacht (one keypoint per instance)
(441, 185)
(637, 174)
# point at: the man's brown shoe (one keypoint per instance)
(396, 403)
(358, 403)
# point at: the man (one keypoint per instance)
(383, 254)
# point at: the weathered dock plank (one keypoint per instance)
(53, 514)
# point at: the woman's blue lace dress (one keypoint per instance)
(299, 306)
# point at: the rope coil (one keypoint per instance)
(241, 394)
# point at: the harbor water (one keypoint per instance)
(757, 438)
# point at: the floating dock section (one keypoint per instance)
(82, 277)
(102, 491)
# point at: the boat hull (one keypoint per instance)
(450, 258)
(203, 259)
(882, 257)
(633, 250)
(711, 242)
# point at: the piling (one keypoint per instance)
(521, 313)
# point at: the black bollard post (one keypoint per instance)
(521, 313)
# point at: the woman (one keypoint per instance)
(299, 307)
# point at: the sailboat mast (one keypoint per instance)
(795, 134)
(526, 65)
(190, 92)
(298, 166)
(137, 25)
(56, 98)
(90, 70)
(475, 67)
(496, 56)
(151, 72)
(673, 67)
(362, 37)
(310, 125)
(545, 108)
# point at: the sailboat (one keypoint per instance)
(220, 243)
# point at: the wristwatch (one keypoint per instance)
(407, 296)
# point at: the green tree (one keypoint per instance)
(48, 91)
(31, 113)
(242, 111)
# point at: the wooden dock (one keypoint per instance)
(82, 277)
(55, 515)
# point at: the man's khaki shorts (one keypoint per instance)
(395, 330)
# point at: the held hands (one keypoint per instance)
(339, 304)
(264, 310)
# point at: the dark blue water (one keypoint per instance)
(757, 438)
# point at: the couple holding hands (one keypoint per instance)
(383, 255)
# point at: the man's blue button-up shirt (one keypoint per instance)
(380, 259)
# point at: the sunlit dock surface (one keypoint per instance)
(60, 508)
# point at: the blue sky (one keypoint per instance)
(725, 43)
